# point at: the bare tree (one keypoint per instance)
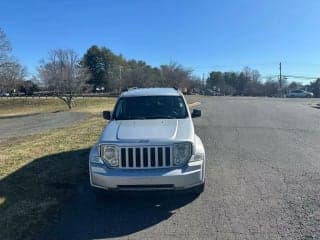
(174, 75)
(5, 49)
(63, 74)
(11, 71)
(11, 75)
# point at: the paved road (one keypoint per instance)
(26, 125)
(263, 182)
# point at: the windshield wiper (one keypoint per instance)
(137, 118)
(131, 118)
(160, 117)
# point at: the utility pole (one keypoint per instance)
(280, 81)
(203, 80)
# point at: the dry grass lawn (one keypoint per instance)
(25, 106)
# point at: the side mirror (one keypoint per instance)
(196, 113)
(106, 115)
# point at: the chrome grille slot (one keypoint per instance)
(167, 156)
(130, 153)
(123, 157)
(138, 157)
(145, 157)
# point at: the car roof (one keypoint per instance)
(140, 92)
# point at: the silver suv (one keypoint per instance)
(300, 94)
(149, 144)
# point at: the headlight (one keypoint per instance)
(110, 155)
(181, 153)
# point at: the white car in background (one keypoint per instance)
(299, 94)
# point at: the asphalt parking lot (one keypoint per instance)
(262, 182)
(20, 126)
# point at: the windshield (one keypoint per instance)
(150, 107)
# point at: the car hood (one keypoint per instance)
(153, 129)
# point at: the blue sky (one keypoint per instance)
(203, 35)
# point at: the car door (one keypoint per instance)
(293, 93)
(299, 93)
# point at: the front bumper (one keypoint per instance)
(183, 178)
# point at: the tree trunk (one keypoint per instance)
(68, 100)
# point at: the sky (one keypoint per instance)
(203, 35)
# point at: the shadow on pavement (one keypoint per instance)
(50, 198)
(91, 217)
(316, 106)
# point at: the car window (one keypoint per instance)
(150, 107)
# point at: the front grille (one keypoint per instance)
(145, 157)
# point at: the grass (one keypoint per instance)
(40, 172)
(25, 106)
